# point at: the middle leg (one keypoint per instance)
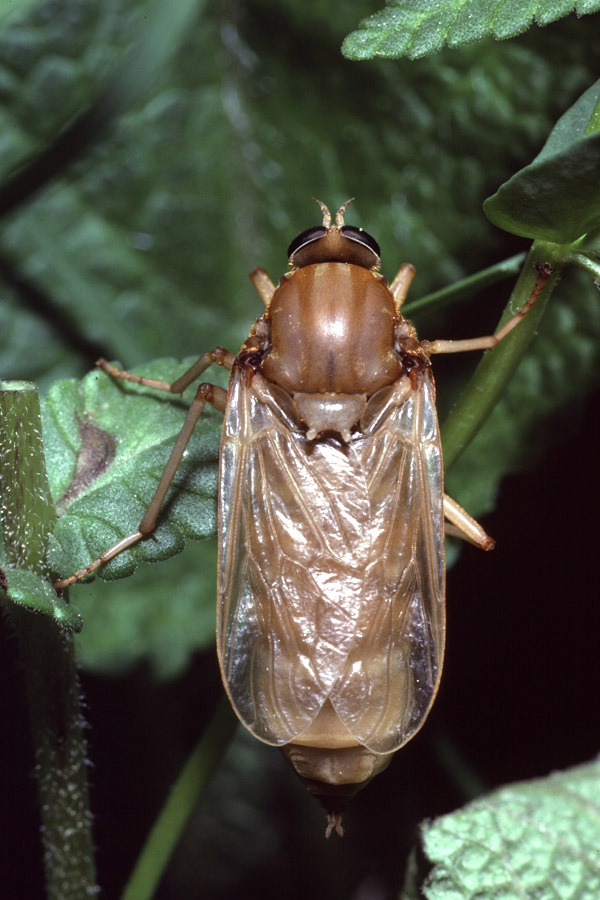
(464, 526)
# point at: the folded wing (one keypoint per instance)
(328, 584)
(392, 673)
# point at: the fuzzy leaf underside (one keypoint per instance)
(131, 431)
(417, 28)
(557, 197)
(162, 621)
(27, 589)
(532, 839)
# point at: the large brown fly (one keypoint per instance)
(330, 624)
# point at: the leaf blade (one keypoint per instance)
(143, 427)
(519, 840)
(417, 29)
(556, 197)
(556, 200)
(34, 592)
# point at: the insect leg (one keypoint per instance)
(401, 283)
(206, 393)
(462, 525)
(263, 285)
(219, 355)
(492, 340)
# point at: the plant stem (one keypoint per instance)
(498, 365)
(584, 262)
(456, 292)
(27, 510)
(47, 654)
(180, 805)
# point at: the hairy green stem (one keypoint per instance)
(27, 509)
(498, 365)
(46, 654)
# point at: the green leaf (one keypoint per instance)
(42, 91)
(416, 28)
(8, 7)
(572, 125)
(37, 594)
(107, 444)
(533, 839)
(161, 33)
(557, 197)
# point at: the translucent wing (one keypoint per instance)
(392, 673)
(294, 548)
(328, 587)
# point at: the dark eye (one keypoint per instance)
(307, 237)
(361, 237)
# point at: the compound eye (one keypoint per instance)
(361, 237)
(306, 237)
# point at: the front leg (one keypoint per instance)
(490, 341)
(219, 355)
(263, 284)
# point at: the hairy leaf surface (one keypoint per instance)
(126, 435)
(416, 28)
(34, 592)
(533, 839)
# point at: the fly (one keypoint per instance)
(330, 621)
